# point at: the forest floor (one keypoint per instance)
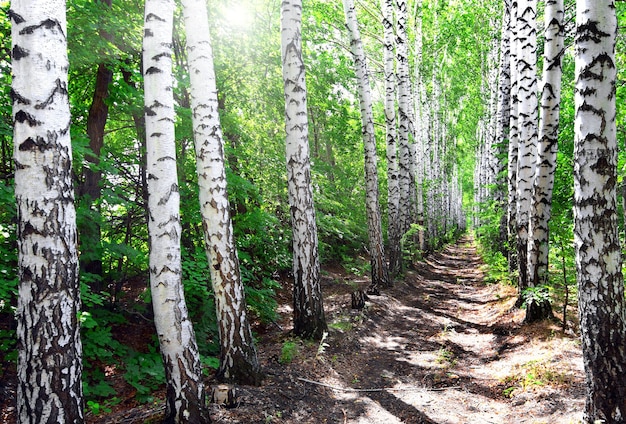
(440, 347)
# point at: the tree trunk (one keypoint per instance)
(393, 188)
(546, 151)
(90, 190)
(504, 121)
(406, 181)
(380, 274)
(596, 238)
(527, 127)
(308, 307)
(49, 369)
(238, 356)
(185, 390)
(513, 143)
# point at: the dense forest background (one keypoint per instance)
(453, 62)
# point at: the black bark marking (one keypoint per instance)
(18, 53)
(16, 18)
(48, 24)
(60, 88)
(153, 70)
(17, 98)
(22, 117)
(152, 16)
(589, 31)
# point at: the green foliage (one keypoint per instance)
(537, 295)
(145, 372)
(289, 351)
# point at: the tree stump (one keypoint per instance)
(225, 395)
(358, 299)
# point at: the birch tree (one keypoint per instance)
(513, 141)
(238, 356)
(185, 389)
(406, 180)
(527, 127)
(504, 112)
(308, 307)
(380, 274)
(596, 238)
(393, 189)
(49, 369)
(543, 183)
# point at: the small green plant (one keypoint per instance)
(445, 357)
(145, 372)
(288, 352)
(537, 295)
(97, 408)
(341, 325)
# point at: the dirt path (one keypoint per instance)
(440, 347)
(445, 348)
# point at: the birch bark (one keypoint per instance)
(238, 356)
(596, 238)
(308, 313)
(49, 369)
(379, 271)
(183, 374)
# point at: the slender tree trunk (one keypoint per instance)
(238, 356)
(49, 369)
(513, 143)
(380, 274)
(393, 189)
(90, 190)
(504, 120)
(308, 307)
(598, 256)
(546, 158)
(185, 389)
(405, 179)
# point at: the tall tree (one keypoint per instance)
(379, 271)
(90, 188)
(504, 118)
(543, 183)
(513, 140)
(527, 116)
(308, 307)
(598, 255)
(393, 189)
(406, 179)
(238, 356)
(49, 366)
(185, 389)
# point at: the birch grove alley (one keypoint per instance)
(312, 211)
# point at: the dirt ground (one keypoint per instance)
(440, 347)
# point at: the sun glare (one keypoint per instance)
(238, 16)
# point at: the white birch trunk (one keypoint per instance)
(238, 355)
(596, 238)
(393, 189)
(49, 369)
(380, 275)
(527, 126)
(504, 119)
(548, 145)
(308, 316)
(185, 389)
(513, 142)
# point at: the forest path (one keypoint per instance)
(454, 351)
(440, 347)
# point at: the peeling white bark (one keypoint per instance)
(309, 319)
(49, 366)
(185, 390)
(238, 355)
(596, 238)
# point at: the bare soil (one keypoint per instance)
(440, 347)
